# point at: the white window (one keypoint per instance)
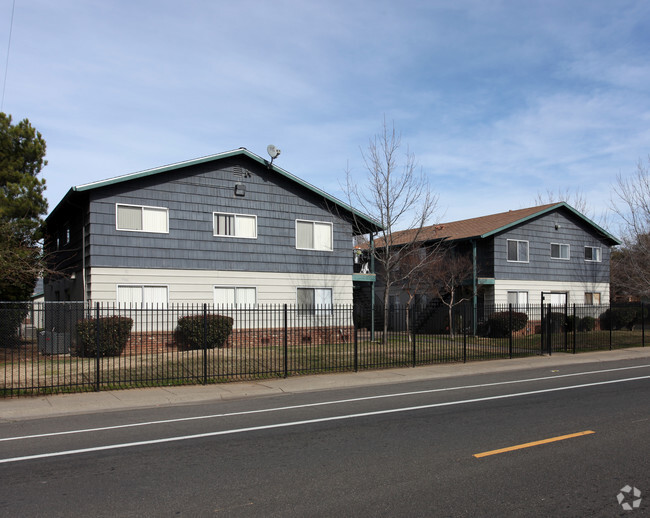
(313, 235)
(235, 296)
(314, 299)
(142, 296)
(556, 299)
(142, 219)
(518, 299)
(235, 225)
(517, 251)
(560, 251)
(592, 253)
(592, 299)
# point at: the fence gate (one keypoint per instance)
(554, 328)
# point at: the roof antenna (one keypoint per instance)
(273, 152)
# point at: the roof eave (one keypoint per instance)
(368, 224)
(603, 232)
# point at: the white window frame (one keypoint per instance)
(592, 294)
(592, 248)
(142, 287)
(316, 309)
(237, 217)
(527, 250)
(314, 223)
(518, 293)
(561, 245)
(143, 209)
(236, 289)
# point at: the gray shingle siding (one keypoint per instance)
(191, 196)
(540, 233)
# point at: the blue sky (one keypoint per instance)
(498, 100)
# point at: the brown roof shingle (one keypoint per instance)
(468, 228)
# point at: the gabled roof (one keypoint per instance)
(486, 226)
(364, 222)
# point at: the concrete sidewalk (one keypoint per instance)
(66, 404)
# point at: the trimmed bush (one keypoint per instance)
(586, 324)
(189, 331)
(499, 323)
(113, 336)
(619, 318)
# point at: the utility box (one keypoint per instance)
(50, 342)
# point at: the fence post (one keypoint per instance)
(542, 325)
(549, 333)
(205, 344)
(566, 329)
(356, 349)
(575, 328)
(510, 330)
(642, 325)
(97, 341)
(286, 345)
(465, 333)
(412, 323)
(611, 324)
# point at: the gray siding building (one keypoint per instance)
(230, 228)
(550, 252)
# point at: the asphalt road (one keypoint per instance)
(410, 449)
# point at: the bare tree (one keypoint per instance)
(397, 195)
(631, 269)
(413, 272)
(446, 276)
(576, 199)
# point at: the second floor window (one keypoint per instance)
(313, 235)
(559, 251)
(139, 218)
(517, 251)
(592, 253)
(235, 225)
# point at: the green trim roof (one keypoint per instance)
(364, 222)
(486, 226)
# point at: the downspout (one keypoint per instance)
(372, 288)
(474, 288)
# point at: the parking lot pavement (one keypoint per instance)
(19, 408)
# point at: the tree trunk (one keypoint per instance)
(384, 338)
(451, 323)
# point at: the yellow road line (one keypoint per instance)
(535, 443)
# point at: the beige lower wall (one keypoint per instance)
(576, 290)
(197, 286)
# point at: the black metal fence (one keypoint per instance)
(69, 346)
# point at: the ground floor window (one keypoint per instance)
(555, 299)
(518, 299)
(592, 299)
(314, 299)
(142, 296)
(235, 296)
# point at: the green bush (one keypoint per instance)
(619, 318)
(190, 330)
(113, 336)
(12, 315)
(499, 323)
(586, 324)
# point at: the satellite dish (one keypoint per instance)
(272, 151)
